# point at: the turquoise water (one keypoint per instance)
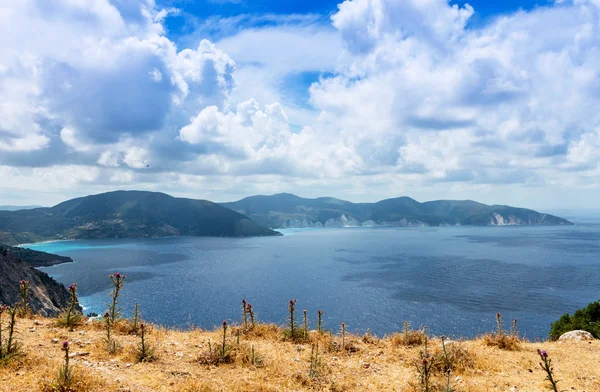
(452, 279)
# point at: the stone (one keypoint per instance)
(576, 335)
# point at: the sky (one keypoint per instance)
(361, 99)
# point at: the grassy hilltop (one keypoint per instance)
(268, 358)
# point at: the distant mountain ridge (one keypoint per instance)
(126, 214)
(285, 210)
(16, 208)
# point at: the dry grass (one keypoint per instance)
(502, 341)
(367, 364)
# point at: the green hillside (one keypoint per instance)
(286, 210)
(131, 214)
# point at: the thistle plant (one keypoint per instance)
(145, 352)
(71, 317)
(8, 345)
(315, 361)
(319, 320)
(502, 340)
(292, 319)
(425, 367)
(546, 365)
(305, 324)
(251, 313)
(111, 344)
(24, 307)
(5, 348)
(224, 339)
(245, 312)
(447, 365)
(114, 310)
(499, 324)
(136, 319)
(65, 379)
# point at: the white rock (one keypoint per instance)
(576, 335)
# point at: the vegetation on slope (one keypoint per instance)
(120, 354)
(132, 214)
(586, 319)
(263, 359)
(284, 210)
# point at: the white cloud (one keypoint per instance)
(410, 101)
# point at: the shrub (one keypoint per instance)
(587, 319)
(408, 337)
(500, 339)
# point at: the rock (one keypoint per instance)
(79, 354)
(55, 340)
(576, 335)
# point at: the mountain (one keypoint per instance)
(47, 297)
(286, 211)
(121, 214)
(16, 208)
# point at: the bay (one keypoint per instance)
(451, 279)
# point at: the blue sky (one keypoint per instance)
(361, 100)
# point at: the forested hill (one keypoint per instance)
(286, 210)
(126, 214)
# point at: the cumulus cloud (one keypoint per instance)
(411, 99)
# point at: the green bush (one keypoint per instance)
(587, 319)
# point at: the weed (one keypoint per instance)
(319, 320)
(111, 343)
(24, 308)
(245, 312)
(408, 337)
(315, 362)
(251, 313)
(71, 317)
(136, 319)
(546, 365)
(292, 332)
(114, 311)
(9, 347)
(305, 332)
(500, 339)
(424, 367)
(65, 378)
(145, 352)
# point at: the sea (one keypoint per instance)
(453, 280)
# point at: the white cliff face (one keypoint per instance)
(342, 221)
(348, 221)
(511, 220)
(300, 223)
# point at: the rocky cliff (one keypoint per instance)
(47, 297)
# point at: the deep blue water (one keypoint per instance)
(451, 279)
